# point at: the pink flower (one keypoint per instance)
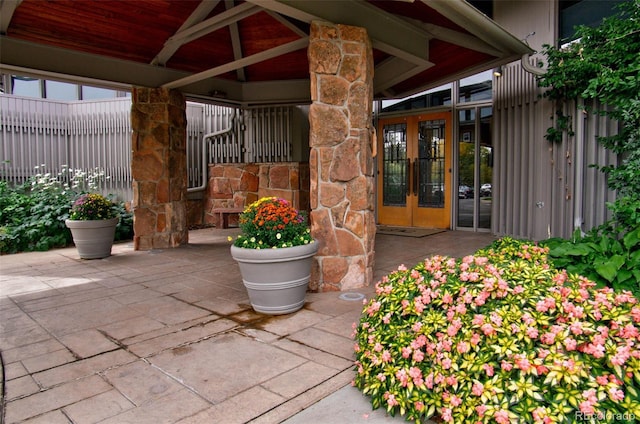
(586, 407)
(616, 395)
(488, 369)
(475, 339)
(602, 380)
(406, 352)
(391, 399)
(386, 356)
(478, 319)
(446, 363)
(506, 365)
(532, 332)
(488, 329)
(455, 400)
(548, 338)
(418, 356)
(463, 347)
(481, 409)
(477, 389)
(570, 344)
(446, 415)
(402, 376)
(501, 416)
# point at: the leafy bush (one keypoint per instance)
(32, 215)
(500, 337)
(609, 254)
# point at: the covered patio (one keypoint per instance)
(168, 336)
(337, 56)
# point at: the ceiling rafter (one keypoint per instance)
(236, 46)
(197, 16)
(210, 25)
(245, 61)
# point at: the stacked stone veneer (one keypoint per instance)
(341, 161)
(238, 185)
(159, 160)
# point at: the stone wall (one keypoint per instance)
(341, 160)
(238, 185)
(159, 168)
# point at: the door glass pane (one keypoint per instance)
(430, 172)
(466, 167)
(394, 165)
(486, 167)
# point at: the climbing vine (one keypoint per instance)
(603, 65)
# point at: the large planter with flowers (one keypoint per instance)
(274, 254)
(92, 221)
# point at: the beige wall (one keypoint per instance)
(542, 189)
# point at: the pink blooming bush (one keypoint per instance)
(499, 337)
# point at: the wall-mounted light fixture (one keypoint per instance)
(497, 72)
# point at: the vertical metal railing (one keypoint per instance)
(91, 135)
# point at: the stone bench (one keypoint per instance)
(222, 214)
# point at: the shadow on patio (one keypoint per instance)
(169, 336)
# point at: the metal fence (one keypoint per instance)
(90, 135)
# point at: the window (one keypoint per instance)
(439, 96)
(476, 88)
(583, 12)
(26, 86)
(60, 90)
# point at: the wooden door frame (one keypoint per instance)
(404, 216)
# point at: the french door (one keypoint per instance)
(414, 171)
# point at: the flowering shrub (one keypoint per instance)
(271, 222)
(91, 206)
(499, 337)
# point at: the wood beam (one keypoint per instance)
(236, 45)
(246, 61)
(210, 25)
(197, 16)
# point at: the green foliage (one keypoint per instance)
(603, 65)
(32, 215)
(499, 337)
(609, 254)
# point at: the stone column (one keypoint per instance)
(159, 168)
(341, 161)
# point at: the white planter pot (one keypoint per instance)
(276, 279)
(93, 239)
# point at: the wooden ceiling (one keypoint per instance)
(247, 53)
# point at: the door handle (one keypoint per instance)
(408, 177)
(415, 176)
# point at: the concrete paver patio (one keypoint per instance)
(169, 336)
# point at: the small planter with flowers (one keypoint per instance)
(92, 221)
